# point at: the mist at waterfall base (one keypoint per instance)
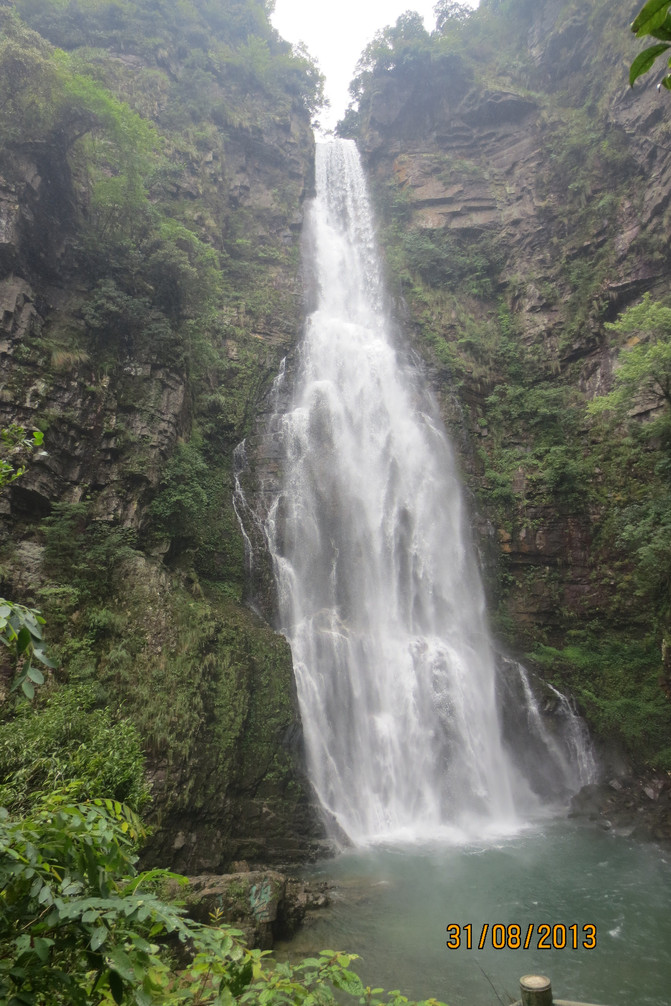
(412, 758)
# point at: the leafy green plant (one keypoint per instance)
(72, 920)
(21, 632)
(84, 552)
(450, 14)
(615, 679)
(652, 20)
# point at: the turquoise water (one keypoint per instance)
(392, 906)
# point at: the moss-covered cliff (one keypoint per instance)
(153, 165)
(524, 191)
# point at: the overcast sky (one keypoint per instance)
(336, 31)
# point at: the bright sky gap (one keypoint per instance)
(336, 33)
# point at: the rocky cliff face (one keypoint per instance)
(144, 308)
(523, 209)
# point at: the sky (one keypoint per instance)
(335, 33)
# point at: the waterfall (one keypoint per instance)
(379, 596)
(378, 590)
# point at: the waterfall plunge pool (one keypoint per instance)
(392, 904)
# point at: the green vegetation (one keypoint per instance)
(72, 742)
(172, 151)
(80, 925)
(644, 365)
(609, 459)
(15, 449)
(439, 259)
(640, 406)
(21, 632)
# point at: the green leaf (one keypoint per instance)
(241, 978)
(651, 15)
(31, 620)
(42, 946)
(35, 675)
(348, 982)
(664, 30)
(98, 937)
(141, 944)
(45, 897)
(39, 653)
(70, 887)
(645, 59)
(23, 640)
(122, 963)
(28, 688)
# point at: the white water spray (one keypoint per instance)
(379, 595)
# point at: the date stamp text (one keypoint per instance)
(529, 936)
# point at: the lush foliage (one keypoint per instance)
(79, 925)
(148, 129)
(638, 520)
(644, 364)
(233, 42)
(449, 13)
(69, 738)
(82, 551)
(407, 52)
(654, 21)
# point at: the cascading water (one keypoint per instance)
(379, 595)
(553, 750)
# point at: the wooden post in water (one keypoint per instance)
(536, 990)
